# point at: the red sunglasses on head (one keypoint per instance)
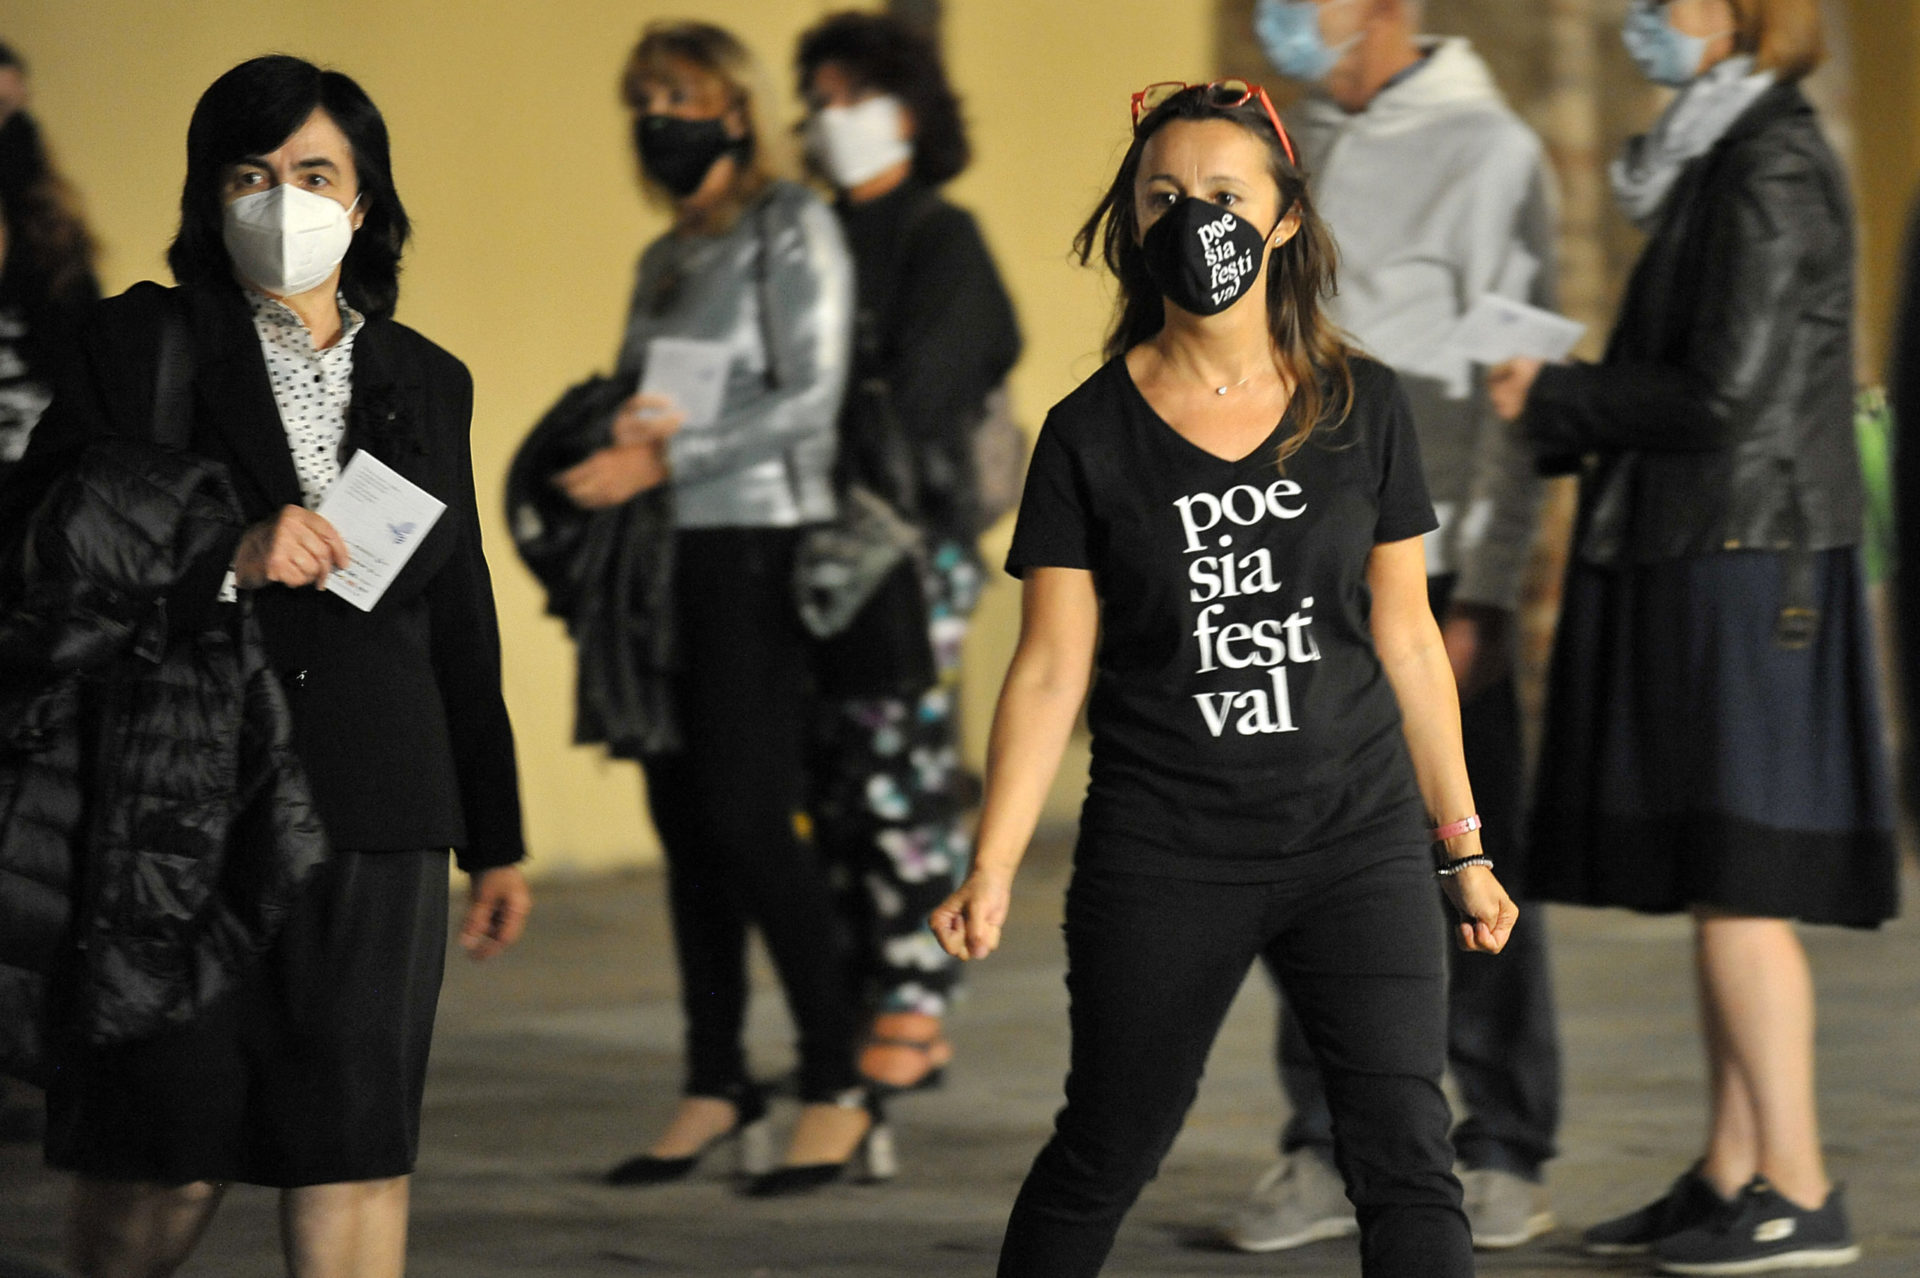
(1221, 93)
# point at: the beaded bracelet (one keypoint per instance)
(1453, 830)
(1452, 868)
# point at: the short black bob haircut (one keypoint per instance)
(888, 56)
(249, 112)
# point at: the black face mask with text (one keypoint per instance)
(679, 153)
(1201, 257)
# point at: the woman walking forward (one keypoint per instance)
(1234, 503)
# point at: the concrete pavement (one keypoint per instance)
(563, 1058)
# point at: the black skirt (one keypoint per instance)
(1690, 758)
(311, 1073)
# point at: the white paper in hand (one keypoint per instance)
(383, 517)
(1498, 329)
(690, 372)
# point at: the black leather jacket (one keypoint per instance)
(1722, 415)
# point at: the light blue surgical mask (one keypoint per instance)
(1665, 54)
(1289, 32)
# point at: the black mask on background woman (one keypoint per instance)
(1202, 257)
(678, 153)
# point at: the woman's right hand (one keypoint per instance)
(967, 924)
(647, 419)
(294, 548)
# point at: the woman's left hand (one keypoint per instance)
(498, 913)
(1487, 913)
(1509, 384)
(615, 474)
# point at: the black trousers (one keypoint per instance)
(1152, 966)
(1503, 1042)
(731, 810)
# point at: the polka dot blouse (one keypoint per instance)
(310, 387)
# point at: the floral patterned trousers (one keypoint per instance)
(891, 807)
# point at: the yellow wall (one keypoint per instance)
(511, 153)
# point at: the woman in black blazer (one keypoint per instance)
(310, 1077)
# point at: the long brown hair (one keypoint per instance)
(1311, 350)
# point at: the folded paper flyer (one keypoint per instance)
(383, 517)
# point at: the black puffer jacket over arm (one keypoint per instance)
(155, 826)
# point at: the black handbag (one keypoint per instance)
(858, 585)
(857, 580)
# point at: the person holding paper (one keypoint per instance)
(309, 1077)
(1439, 197)
(1712, 741)
(935, 333)
(754, 268)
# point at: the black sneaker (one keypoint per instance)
(1760, 1232)
(1688, 1202)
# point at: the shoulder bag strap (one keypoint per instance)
(173, 379)
(763, 288)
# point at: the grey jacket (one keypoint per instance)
(1437, 194)
(777, 288)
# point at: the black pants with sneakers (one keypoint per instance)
(1503, 1042)
(1153, 964)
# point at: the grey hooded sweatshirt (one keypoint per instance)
(1437, 194)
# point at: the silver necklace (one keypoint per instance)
(1221, 390)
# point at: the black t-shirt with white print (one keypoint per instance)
(1240, 715)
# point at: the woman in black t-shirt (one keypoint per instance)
(1274, 720)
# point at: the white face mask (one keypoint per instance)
(859, 142)
(285, 240)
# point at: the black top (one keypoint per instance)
(1240, 715)
(398, 714)
(1722, 415)
(936, 325)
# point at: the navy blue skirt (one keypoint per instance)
(1690, 758)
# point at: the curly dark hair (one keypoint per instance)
(49, 253)
(888, 56)
(1300, 273)
(249, 112)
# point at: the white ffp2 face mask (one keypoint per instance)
(859, 142)
(285, 240)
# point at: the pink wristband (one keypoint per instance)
(1453, 830)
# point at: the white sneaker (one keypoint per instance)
(1503, 1209)
(1300, 1200)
